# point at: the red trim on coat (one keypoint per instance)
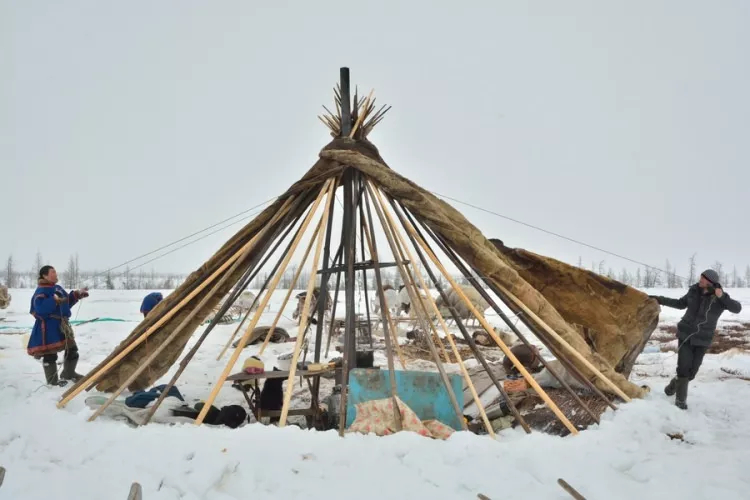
(48, 349)
(45, 348)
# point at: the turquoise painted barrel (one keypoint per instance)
(423, 392)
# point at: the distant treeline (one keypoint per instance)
(72, 276)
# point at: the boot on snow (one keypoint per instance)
(681, 392)
(69, 370)
(50, 374)
(671, 388)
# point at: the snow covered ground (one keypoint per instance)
(51, 453)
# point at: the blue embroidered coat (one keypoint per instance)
(47, 337)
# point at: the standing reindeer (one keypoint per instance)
(297, 314)
(460, 306)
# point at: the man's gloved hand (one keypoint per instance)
(82, 293)
(655, 297)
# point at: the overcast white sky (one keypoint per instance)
(126, 125)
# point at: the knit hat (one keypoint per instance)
(150, 301)
(711, 276)
(253, 365)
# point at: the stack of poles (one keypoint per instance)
(286, 212)
(533, 322)
(418, 241)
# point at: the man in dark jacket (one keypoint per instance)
(705, 301)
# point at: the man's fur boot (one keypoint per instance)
(671, 388)
(50, 374)
(69, 370)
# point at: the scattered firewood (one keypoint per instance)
(570, 489)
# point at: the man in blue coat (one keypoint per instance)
(52, 333)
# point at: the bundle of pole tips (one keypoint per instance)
(363, 115)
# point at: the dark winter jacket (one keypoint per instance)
(703, 310)
(47, 336)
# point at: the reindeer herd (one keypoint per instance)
(399, 303)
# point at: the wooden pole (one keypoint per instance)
(386, 312)
(456, 317)
(149, 321)
(557, 353)
(348, 237)
(346, 103)
(364, 271)
(420, 302)
(305, 315)
(571, 491)
(252, 272)
(291, 289)
(384, 307)
(451, 255)
(336, 262)
(439, 316)
(407, 282)
(540, 334)
(565, 344)
(224, 374)
(263, 288)
(93, 379)
(394, 338)
(361, 115)
(153, 355)
(322, 306)
(491, 331)
(255, 267)
(325, 277)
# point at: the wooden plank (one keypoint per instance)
(572, 491)
(136, 492)
(481, 381)
(292, 412)
(244, 377)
